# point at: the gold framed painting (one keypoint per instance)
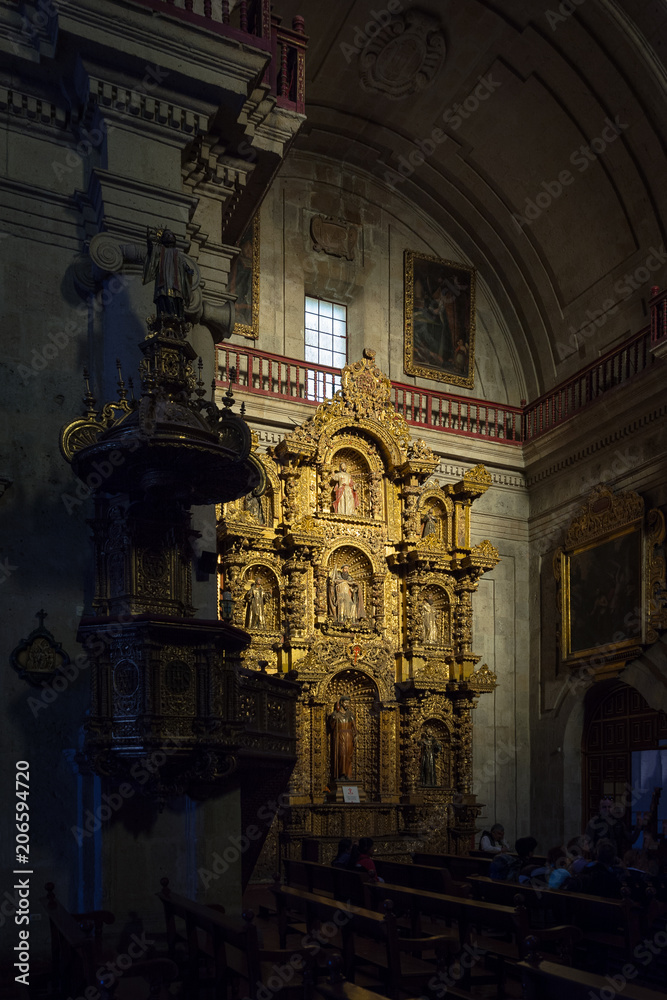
(439, 319)
(611, 574)
(244, 282)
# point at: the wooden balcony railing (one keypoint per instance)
(251, 22)
(658, 317)
(287, 378)
(570, 397)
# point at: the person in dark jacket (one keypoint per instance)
(343, 853)
(601, 877)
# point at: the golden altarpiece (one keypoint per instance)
(354, 574)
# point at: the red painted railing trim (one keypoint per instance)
(658, 317)
(573, 396)
(503, 421)
(510, 424)
(282, 44)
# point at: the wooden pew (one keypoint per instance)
(547, 981)
(338, 883)
(77, 963)
(231, 944)
(365, 937)
(460, 865)
(337, 987)
(478, 923)
(430, 878)
(347, 884)
(609, 923)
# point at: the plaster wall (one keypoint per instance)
(623, 445)
(370, 285)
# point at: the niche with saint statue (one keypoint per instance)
(435, 617)
(260, 508)
(353, 731)
(261, 599)
(433, 521)
(351, 483)
(349, 578)
(434, 755)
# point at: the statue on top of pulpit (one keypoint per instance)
(168, 267)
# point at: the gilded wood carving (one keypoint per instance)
(368, 572)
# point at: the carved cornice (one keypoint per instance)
(40, 111)
(136, 105)
(602, 512)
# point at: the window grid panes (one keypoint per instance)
(325, 344)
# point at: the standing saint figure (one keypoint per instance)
(343, 728)
(346, 602)
(167, 266)
(346, 500)
(430, 748)
(429, 524)
(256, 600)
(253, 505)
(430, 621)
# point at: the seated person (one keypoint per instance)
(493, 841)
(508, 868)
(638, 875)
(579, 852)
(559, 867)
(360, 857)
(343, 852)
(601, 877)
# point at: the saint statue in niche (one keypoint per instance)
(256, 600)
(430, 749)
(429, 621)
(168, 267)
(346, 602)
(346, 500)
(429, 525)
(253, 505)
(343, 728)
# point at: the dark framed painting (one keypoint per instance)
(605, 608)
(439, 319)
(610, 577)
(244, 282)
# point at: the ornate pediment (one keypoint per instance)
(363, 401)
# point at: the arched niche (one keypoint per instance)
(434, 759)
(349, 569)
(390, 440)
(268, 581)
(350, 483)
(258, 511)
(435, 514)
(363, 694)
(436, 616)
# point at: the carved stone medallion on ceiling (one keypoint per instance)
(404, 56)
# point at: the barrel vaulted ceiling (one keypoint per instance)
(550, 173)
